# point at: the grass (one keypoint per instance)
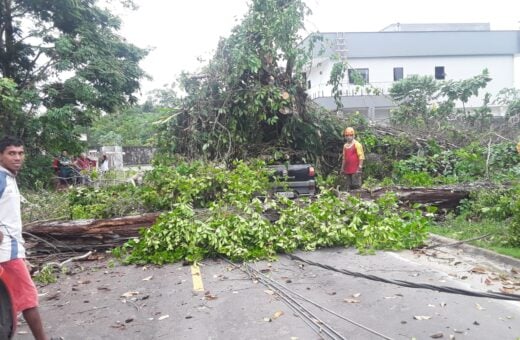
(461, 229)
(513, 252)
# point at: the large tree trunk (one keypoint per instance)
(443, 198)
(84, 235)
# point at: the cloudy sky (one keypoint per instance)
(180, 32)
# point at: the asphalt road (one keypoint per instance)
(100, 301)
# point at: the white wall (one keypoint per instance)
(504, 71)
(516, 67)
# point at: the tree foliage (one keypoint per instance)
(61, 64)
(415, 96)
(251, 95)
(132, 127)
(165, 98)
(336, 78)
(510, 97)
(466, 88)
(424, 101)
(235, 223)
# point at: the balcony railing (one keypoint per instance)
(347, 89)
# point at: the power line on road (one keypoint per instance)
(288, 296)
(444, 289)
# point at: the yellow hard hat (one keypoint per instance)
(349, 132)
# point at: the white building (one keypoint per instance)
(444, 51)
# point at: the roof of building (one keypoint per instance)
(416, 44)
(398, 27)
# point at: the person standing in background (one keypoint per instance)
(352, 160)
(103, 164)
(82, 163)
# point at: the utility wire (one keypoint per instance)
(444, 289)
(318, 325)
(283, 287)
(458, 242)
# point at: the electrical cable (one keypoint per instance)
(285, 293)
(283, 287)
(438, 245)
(444, 289)
(318, 325)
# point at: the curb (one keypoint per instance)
(504, 259)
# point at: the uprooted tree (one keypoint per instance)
(250, 98)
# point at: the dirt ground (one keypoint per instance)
(104, 300)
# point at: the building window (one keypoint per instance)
(398, 73)
(439, 72)
(308, 84)
(358, 76)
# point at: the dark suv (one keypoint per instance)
(293, 180)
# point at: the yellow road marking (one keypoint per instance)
(197, 279)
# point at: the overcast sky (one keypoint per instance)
(182, 31)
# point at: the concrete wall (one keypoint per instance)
(516, 63)
(118, 156)
(137, 155)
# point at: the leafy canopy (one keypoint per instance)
(63, 63)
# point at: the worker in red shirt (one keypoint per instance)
(352, 162)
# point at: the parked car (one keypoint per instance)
(293, 180)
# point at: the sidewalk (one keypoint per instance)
(472, 250)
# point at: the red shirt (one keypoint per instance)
(83, 163)
(55, 164)
(351, 159)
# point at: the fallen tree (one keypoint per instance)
(102, 234)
